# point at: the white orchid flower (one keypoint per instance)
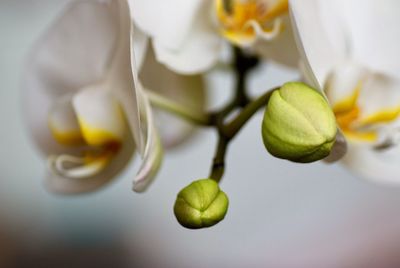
(186, 34)
(84, 103)
(350, 50)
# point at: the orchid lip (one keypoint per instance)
(363, 111)
(93, 124)
(243, 22)
(73, 167)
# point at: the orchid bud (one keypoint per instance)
(201, 204)
(298, 124)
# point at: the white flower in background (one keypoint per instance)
(84, 103)
(187, 34)
(350, 50)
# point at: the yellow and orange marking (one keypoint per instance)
(235, 22)
(350, 119)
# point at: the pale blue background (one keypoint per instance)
(281, 214)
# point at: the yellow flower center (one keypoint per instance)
(98, 148)
(354, 125)
(95, 145)
(239, 19)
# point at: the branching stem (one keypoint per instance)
(242, 65)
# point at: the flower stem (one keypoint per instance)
(227, 132)
(218, 164)
(242, 65)
(178, 109)
(241, 119)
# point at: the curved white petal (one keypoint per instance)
(151, 149)
(140, 42)
(319, 36)
(169, 23)
(150, 165)
(282, 49)
(122, 73)
(153, 153)
(200, 49)
(124, 79)
(73, 53)
(185, 90)
(380, 166)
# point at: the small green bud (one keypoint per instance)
(298, 124)
(201, 204)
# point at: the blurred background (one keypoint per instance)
(282, 215)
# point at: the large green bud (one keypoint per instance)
(298, 124)
(201, 204)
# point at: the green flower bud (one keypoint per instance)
(298, 124)
(201, 204)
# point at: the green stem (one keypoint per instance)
(231, 129)
(218, 165)
(178, 109)
(242, 65)
(227, 132)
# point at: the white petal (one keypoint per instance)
(100, 116)
(185, 90)
(140, 44)
(380, 166)
(150, 165)
(373, 28)
(122, 77)
(282, 49)
(199, 51)
(319, 36)
(74, 52)
(153, 154)
(168, 22)
(134, 100)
